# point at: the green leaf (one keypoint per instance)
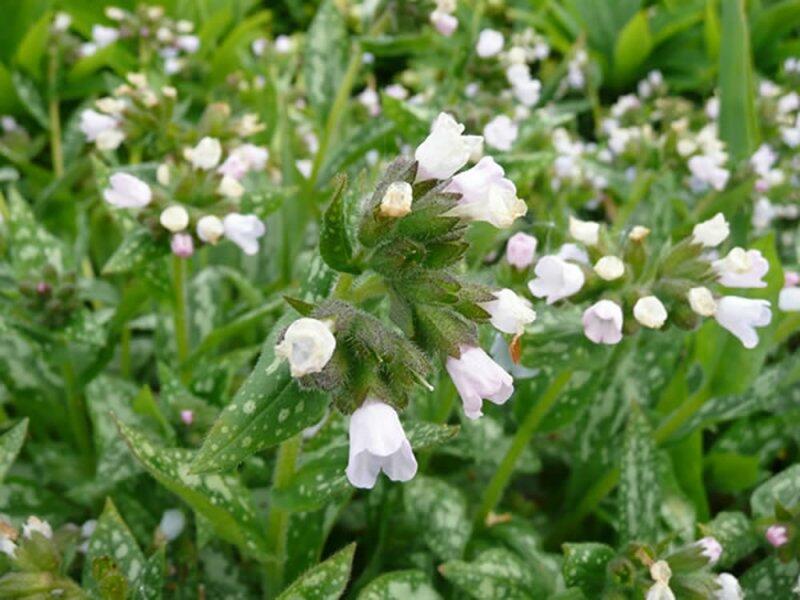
(325, 58)
(631, 49)
(32, 246)
(771, 579)
(335, 238)
(439, 511)
(372, 135)
(585, 566)
(150, 583)
(316, 482)
(496, 573)
(137, 248)
(422, 435)
(221, 499)
(411, 121)
(326, 581)
(30, 98)
(783, 488)
(10, 445)
(112, 540)
(639, 489)
(731, 472)
(738, 124)
(736, 534)
(400, 585)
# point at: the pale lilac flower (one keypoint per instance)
(446, 24)
(486, 195)
(188, 43)
(741, 316)
(259, 46)
(206, 154)
(573, 252)
(244, 231)
(789, 299)
(396, 91)
(602, 322)
(210, 229)
(104, 36)
(711, 233)
(187, 416)
(127, 191)
(500, 133)
(556, 279)
(445, 150)
(710, 548)
(370, 100)
(308, 345)
(378, 443)
(283, 44)
(706, 170)
(777, 535)
(742, 269)
(509, 311)
(182, 245)
(477, 377)
(490, 43)
(520, 250)
(230, 187)
(103, 130)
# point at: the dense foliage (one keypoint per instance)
(400, 299)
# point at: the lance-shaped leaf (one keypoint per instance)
(32, 246)
(639, 490)
(150, 584)
(783, 489)
(326, 581)
(10, 445)
(221, 499)
(399, 585)
(335, 238)
(325, 57)
(137, 248)
(112, 547)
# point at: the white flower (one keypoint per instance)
(7, 546)
(445, 150)
(556, 279)
(283, 44)
(210, 229)
(111, 106)
(500, 133)
(476, 376)
(789, 299)
(520, 250)
(609, 268)
(244, 231)
(661, 574)
(206, 155)
(490, 43)
(573, 252)
(36, 525)
(742, 269)
(101, 129)
(396, 91)
(527, 91)
(741, 316)
(378, 443)
(104, 36)
(763, 159)
(308, 345)
(638, 233)
(602, 322)
(444, 23)
(174, 218)
(230, 188)
(729, 588)
(304, 166)
(163, 174)
(188, 43)
(370, 100)
(127, 191)
(486, 195)
(509, 311)
(259, 46)
(587, 232)
(396, 201)
(711, 233)
(701, 300)
(710, 548)
(172, 523)
(650, 312)
(706, 170)
(61, 22)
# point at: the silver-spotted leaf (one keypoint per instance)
(326, 581)
(496, 573)
(400, 585)
(639, 490)
(10, 445)
(783, 488)
(439, 511)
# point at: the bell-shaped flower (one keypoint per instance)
(711, 233)
(509, 311)
(36, 525)
(486, 195)
(205, 155)
(710, 548)
(742, 269)
(244, 231)
(308, 345)
(127, 191)
(378, 443)
(182, 245)
(574, 253)
(777, 535)
(741, 316)
(477, 377)
(520, 250)
(445, 23)
(445, 150)
(556, 279)
(587, 232)
(728, 588)
(789, 299)
(602, 322)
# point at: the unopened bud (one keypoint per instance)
(609, 268)
(702, 301)
(638, 234)
(210, 229)
(397, 200)
(174, 218)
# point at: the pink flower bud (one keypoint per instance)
(790, 278)
(182, 245)
(710, 548)
(777, 535)
(520, 250)
(187, 416)
(42, 288)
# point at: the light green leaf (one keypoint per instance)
(639, 492)
(326, 581)
(137, 248)
(771, 579)
(783, 488)
(585, 566)
(10, 445)
(150, 583)
(32, 246)
(222, 499)
(632, 48)
(439, 511)
(400, 585)
(336, 238)
(325, 58)
(31, 98)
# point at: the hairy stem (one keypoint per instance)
(180, 308)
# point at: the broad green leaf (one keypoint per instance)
(639, 492)
(736, 534)
(372, 135)
(631, 49)
(31, 50)
(113, 540)
(326, 581)
(439, 511)
(783, 488)
(335, 238)
(31, 98)
(325, 58)
(400, 585)
(771, 579)
(731, 472)
(137, 248)
(10, 445)
(738, 125)
(221, 499)
(495, 573)
(585, 566)
(32, 246)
